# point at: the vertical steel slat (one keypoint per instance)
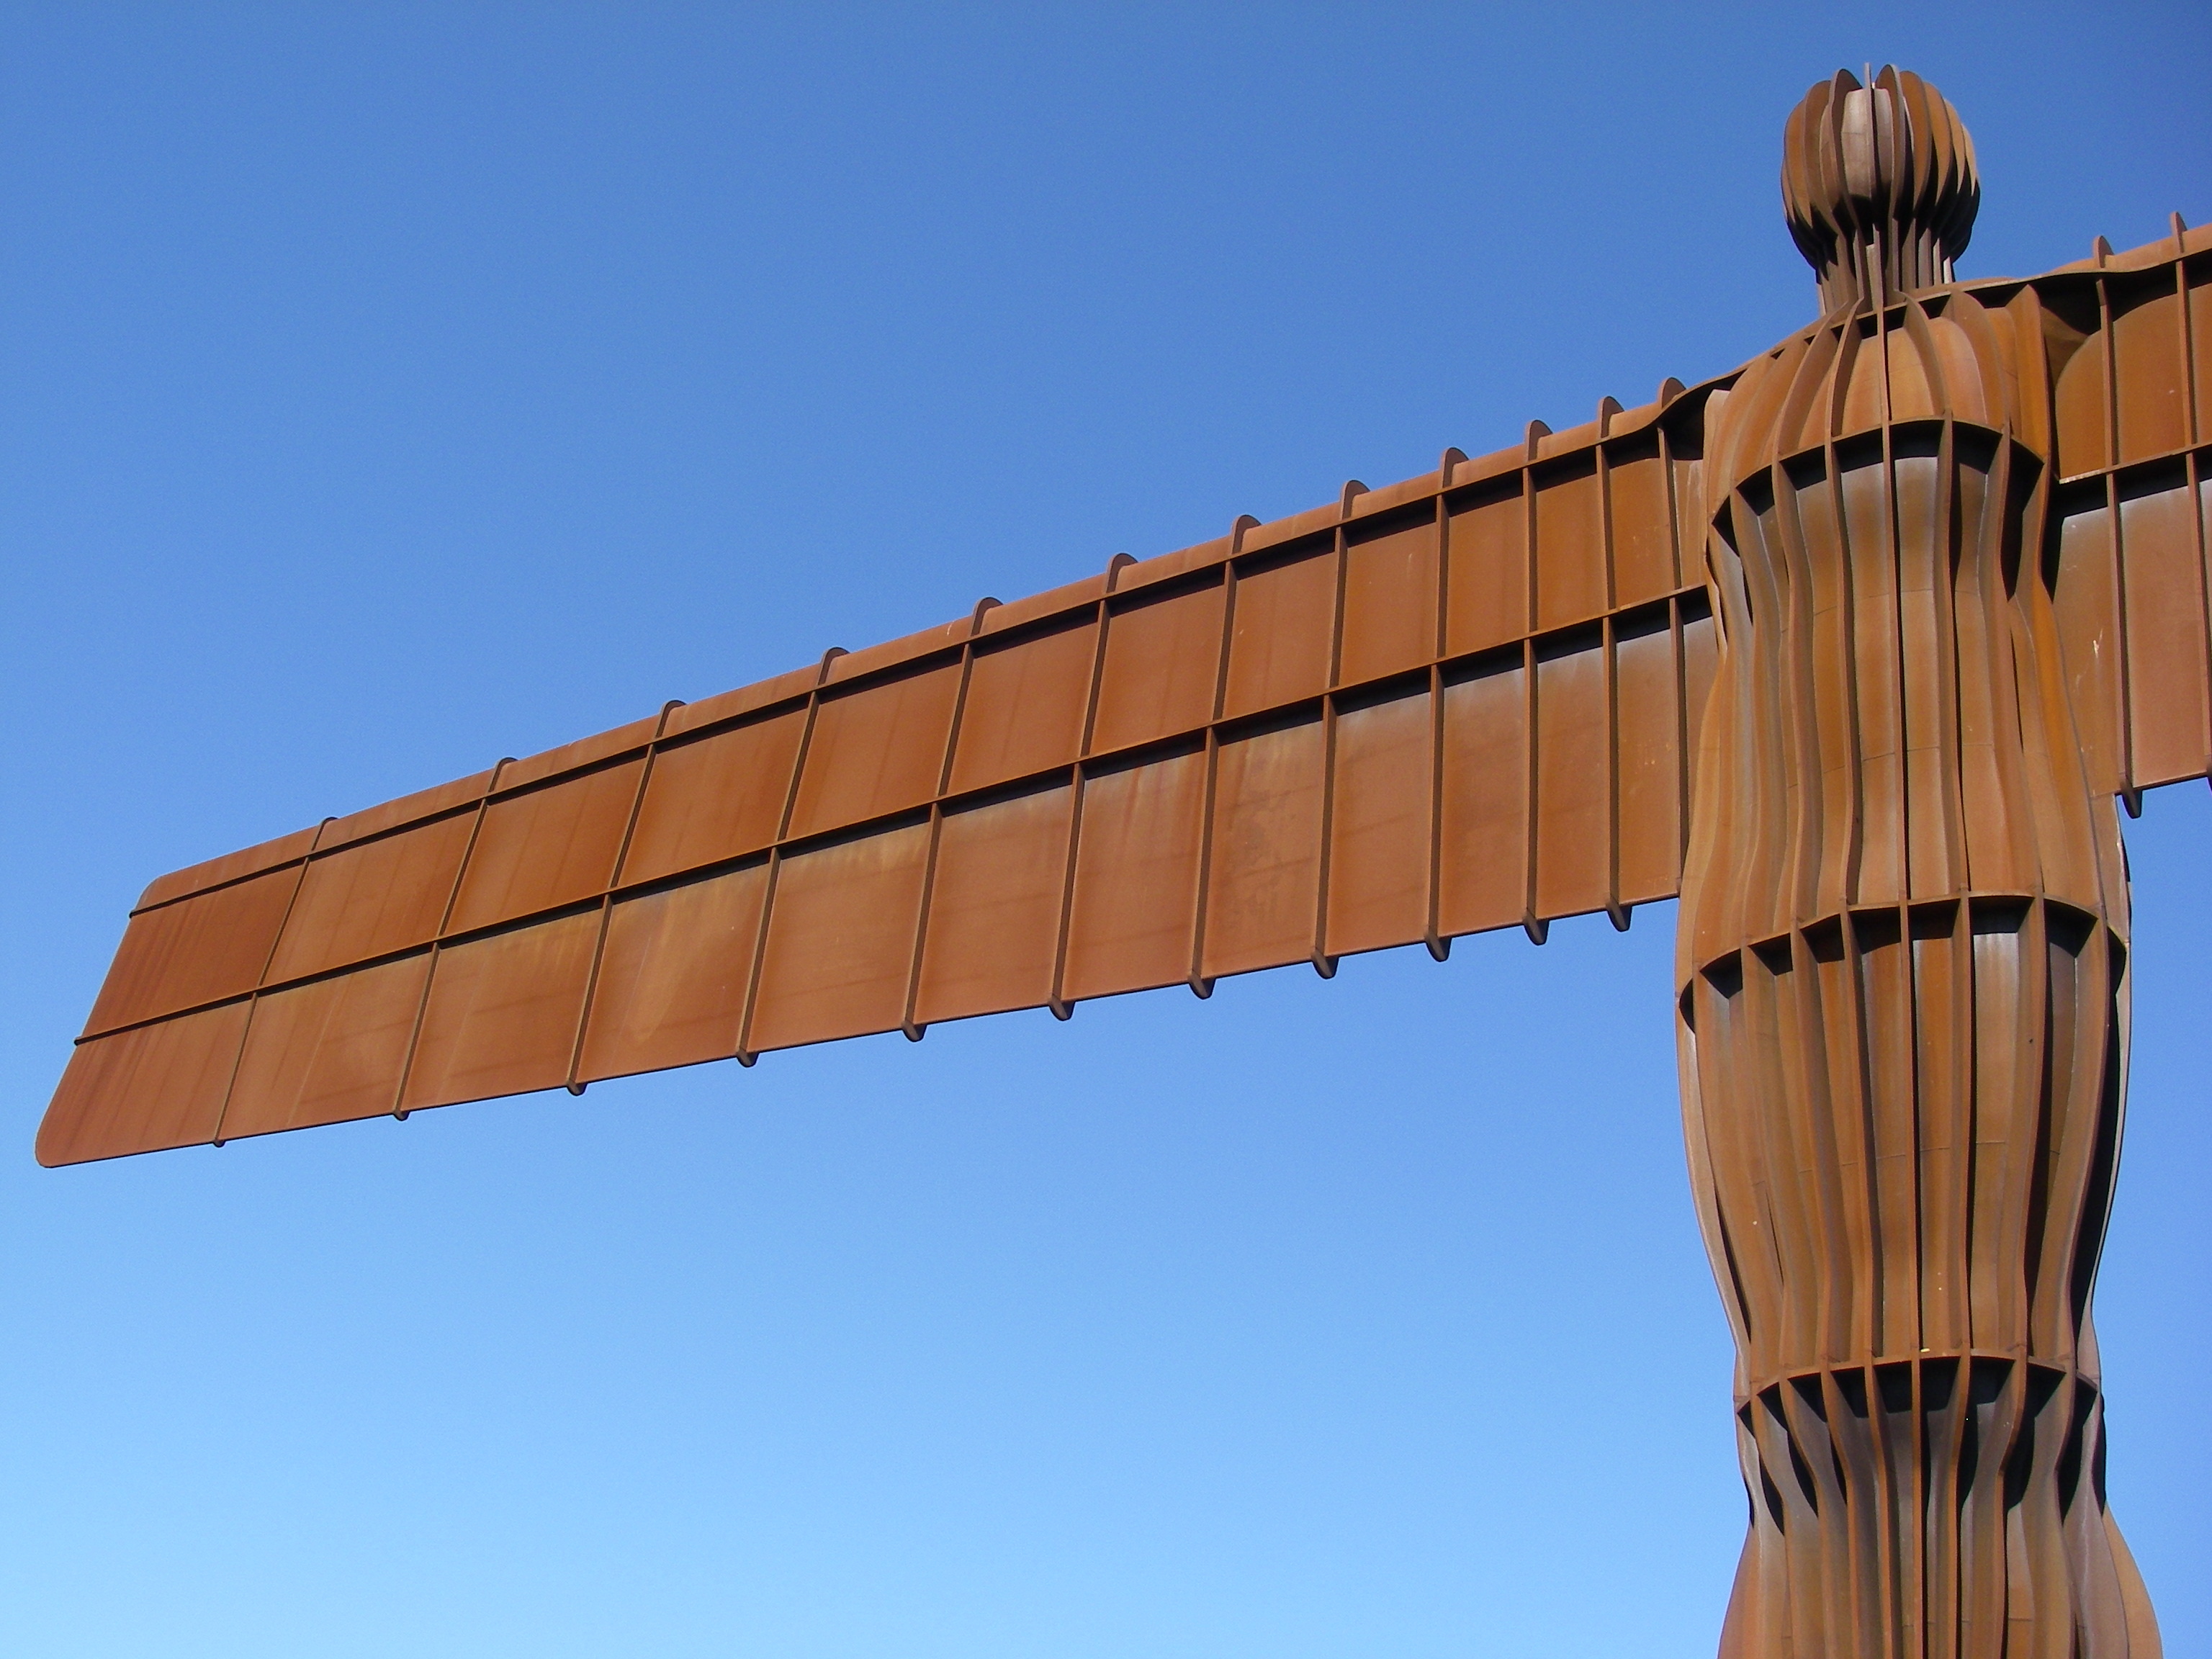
(1537, 928)
(912, 1032)
(254, 997)
(2193, 479)
(1199, 983)
(1439, 947)
(1609, 643)
(438, 941)
(2123, 698)
(1057, 1002)
(746, 1056)
(1324, 964)
(607, 899)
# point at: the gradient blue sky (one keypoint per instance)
(390, 389)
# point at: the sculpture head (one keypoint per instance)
(1879, 185)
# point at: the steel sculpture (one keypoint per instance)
(1852, 648)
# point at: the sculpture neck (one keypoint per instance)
(1885, 263)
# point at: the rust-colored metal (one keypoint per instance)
(1914, 596)
(1902, 949)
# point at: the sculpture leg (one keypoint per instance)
(1903, 1124)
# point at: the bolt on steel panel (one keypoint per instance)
(1574, 776)
(2162, 573)
(1638, 516)
(231, 867)
(144, 1089)
(1648, 701)
(1488, 581)
(2151, 397)
(407, 812)
(1483, 880)
(2089, 635)
(577, 757)
(2081, 410)
(1570, 573)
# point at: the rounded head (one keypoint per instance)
(1879, 185)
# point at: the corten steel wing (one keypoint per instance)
(1460, 703)
(1466, 702)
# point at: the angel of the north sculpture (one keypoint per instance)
(1852, 648)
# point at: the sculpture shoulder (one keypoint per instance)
(1978, 358)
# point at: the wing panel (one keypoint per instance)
(1648, 701)
(1700, 663)
(2196, 277)
(673, 974)
(995, 906)
(2150, 361)
(716, 797)
(547, 847)
(328, 1051)
(2132, 347)
(1162, 665)
(1025, 704)
(1135, 901)
(1574, 775)
(1264, 861)
(877, 748)
(1489, 577)
(1284, 623)
(840, 953)
(1483, 878)
(2163, 582)
(503, 1014)
(374, 897)
(1641, 520)
(1382, 812)
(233, 867)
(144, 1089)
(1390, 589)
(1572, 577)
(194, 950)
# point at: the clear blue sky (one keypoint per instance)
(390, 389)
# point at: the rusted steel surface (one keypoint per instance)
(1463, 702)
(1902, 937)
(1458, 703)
(1854, 647)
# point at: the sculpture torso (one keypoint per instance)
(1902, 938)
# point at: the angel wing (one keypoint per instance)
(2126, 560)
(1460, 703)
